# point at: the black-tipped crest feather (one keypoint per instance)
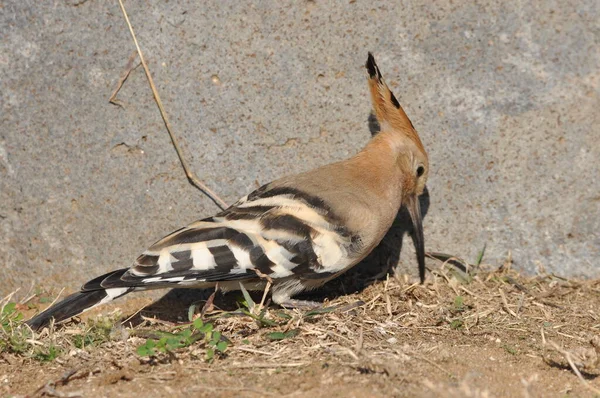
(372, 67)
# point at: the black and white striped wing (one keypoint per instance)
(278, 232)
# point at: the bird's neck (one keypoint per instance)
(378, 167)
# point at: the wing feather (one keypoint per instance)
(274, 231)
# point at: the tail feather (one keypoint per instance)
(110, 280)
(79, 302)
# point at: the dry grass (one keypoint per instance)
(494, 333)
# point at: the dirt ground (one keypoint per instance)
(489, 333)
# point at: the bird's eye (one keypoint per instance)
(420, 171)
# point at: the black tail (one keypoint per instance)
(91, 295)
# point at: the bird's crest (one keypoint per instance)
(386, 108)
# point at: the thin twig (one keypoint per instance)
(543, 335)
(48, 388)
(505, 304)
(134, 314)
(7, 298)
(28, 296)
(567, 356)
(158, 321)
(190, 176)
(268, 365)
(360, 341)
(208, 305)
(267, 288)
(57, 297)
(264, 296)
(246, 349)
(128, 69)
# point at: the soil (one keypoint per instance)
(495, 334)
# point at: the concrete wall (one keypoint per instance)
(504, 94)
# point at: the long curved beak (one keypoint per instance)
(414, 209)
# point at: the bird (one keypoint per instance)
(295, 233)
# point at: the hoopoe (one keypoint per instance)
(299, 231)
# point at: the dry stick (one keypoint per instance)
(190, 176)
(264, 296)
(209, 304)
(128, 69)
(360, 341)
(64, 379)
(134, 314)
(505, 303)
(27, 296)
(269, 365)
(266, 291)
(57, 297)
(6, 299)
(246, 349)
(567, 356)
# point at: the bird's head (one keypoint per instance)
(411, 159)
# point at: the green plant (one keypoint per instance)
(480, 256)
(282, 335)
(10, 316)
(97, 331)
(47, 354)
(16, 338)
(198, 331)
(249, 308)
(511, 350)
(13, 336)
(457, 324)
(459, 304)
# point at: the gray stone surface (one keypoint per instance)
(504, 94)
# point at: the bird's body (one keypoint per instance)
(298, 232)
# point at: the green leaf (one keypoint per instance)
(47, 356)
(195, 337)
(206, 328)
(283, 315)
(9, 308)
(480, 257)
(172, 343)
(459, 303)
(261, 321)
(147, 349)
(198, 323)
(191, 312)
(249, 302)
(281, 335)
(222, 346)
(456, 324)
(275, 336)
(319, 311)
(210, 353)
